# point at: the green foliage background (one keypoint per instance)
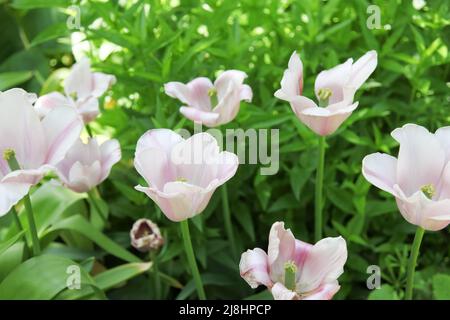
(154, 42)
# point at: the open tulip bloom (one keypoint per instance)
(295, 270)
(87, 165)
(419, 179)
(334, 88)
(211, 104)
(37, 144)
(182, 175)
(82, 89)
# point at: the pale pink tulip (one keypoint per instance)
(37, 144)
(419, 178)
(334, 89)
(182, 174)
(208, 103)
(87, 165)
(82, 88)
(295, 270)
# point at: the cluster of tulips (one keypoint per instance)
(42, 135)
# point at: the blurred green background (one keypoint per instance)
(148, 43)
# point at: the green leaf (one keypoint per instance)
(441, 287)
(40, 278)
(108, 279)
(12, 79)
(34, 4)
(8, 243)
(80, 225)
(386, 292)
(52, 32)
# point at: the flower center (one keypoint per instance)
(428, 190)
(181, 179)
(290, 270)
(10, 156)
(324, 95)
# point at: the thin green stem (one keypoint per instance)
(412, 262)
(92, 195)
(318, 216)
(16, 219)
(156, 278)
(227, 219)
(191, 259)
(32, 225)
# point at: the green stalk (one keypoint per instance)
(227, 219)
(32, 225)
(10, 156)
(318, 216)
(154, 259)
(92, 195)
(412, 262)
(191, 259)
(16, 219)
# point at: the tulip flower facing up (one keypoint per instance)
(85, 166)
(29, 148)
(182, 175)
(82, 89)
(295, 270)
(335, 89)
(419, 179)
(211, 104)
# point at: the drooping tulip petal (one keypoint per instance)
(254, 268)
(313, 269)
(280, 292)
(182, 174)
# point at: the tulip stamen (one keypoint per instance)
(290, 270)
(181, 179)
(428, 190)
(324, 95)
(9, 155)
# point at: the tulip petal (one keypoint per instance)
(254, 268)
(50, 101)
(363, 68)
(83, 178)
(443, 135)
(325, 292)
(380, 169)
(301, 253)
(62, 127)
(420, 159)
(280, 292)
(154, 166)
(16, 185)
(292, 81)
(206, 118)
(246, 93)
(281, 250)
(334, 79)
(324, 264)
(233, 78)
(88, 109)
(110, 154)
(79, 80)
(101, 83)
(163, 139)
(21, 129)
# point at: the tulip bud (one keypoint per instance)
(145, 236)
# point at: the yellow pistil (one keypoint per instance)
(290, 270)
(428, 190)
(324, 95)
